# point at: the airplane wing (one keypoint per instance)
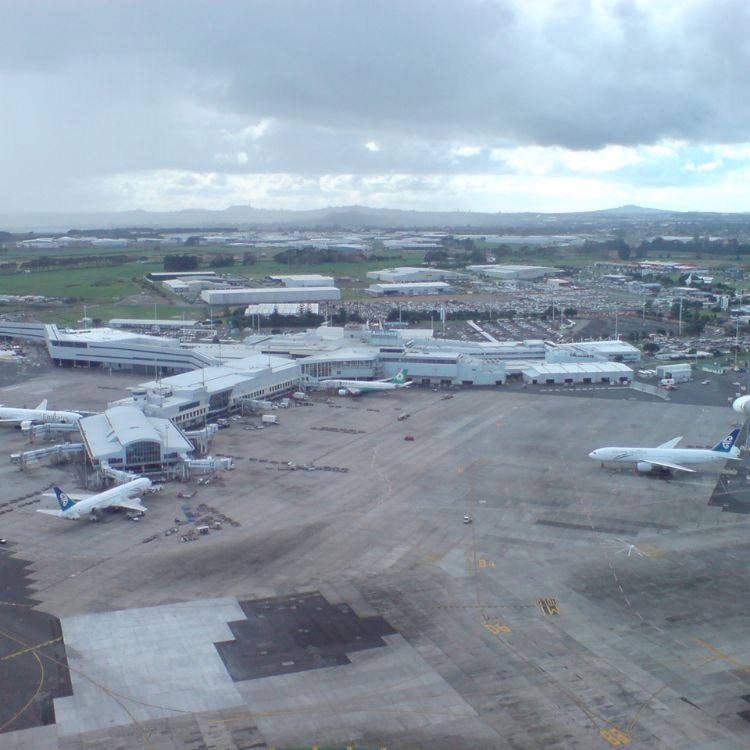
(667, 465)
(670, 443)
(129, 503)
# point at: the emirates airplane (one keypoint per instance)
(11, 416)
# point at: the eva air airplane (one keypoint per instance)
(359, 387)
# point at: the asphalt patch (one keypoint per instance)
(297, 633)
(732, 492)
(33, 665)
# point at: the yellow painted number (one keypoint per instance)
(497, 628)
(616, 737)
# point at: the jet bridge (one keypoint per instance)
(208, 465)
(63, 450)
(201, 439)
(120, 477)
(48, 429)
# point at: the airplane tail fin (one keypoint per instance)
(399, 377)
(727, 444)
(64, 501)
(42, 405)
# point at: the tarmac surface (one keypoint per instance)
(349, 604)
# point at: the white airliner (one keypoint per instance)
(124, 496)
(666, 456)
(358, 387)
(11, 416)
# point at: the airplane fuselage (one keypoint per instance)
(13, 417)
(361, 386)
(680, 456)
(101, 500)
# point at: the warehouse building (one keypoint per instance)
(183, 275)
(612, 350)
(679, 373)
(512, 272)
(259, 295)
(303, 280)
(588, 373)
(408, 288)
(411, 274)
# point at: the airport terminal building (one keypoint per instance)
(195, 381)
(125, 438)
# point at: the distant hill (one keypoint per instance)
(631, 210)
(345, 217)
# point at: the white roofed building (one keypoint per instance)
(411, 274)
(299, 279)
(566, 373)
(270, 295)
(125, 438)
(512, 272)
(408, 288)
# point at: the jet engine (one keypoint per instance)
(343, 391)
(26, 425)
(742, 405)
(644, 467)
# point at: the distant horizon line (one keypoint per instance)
(629, 207)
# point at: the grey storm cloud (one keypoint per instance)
(96, 87)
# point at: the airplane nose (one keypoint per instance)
(592, 454)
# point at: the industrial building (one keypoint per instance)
(258, 295)
(412, 274)
(613, 350)
(193, 286)
(303, 280)
(408, 288)
(679, 373)
(512, 272)
(184, 275)
(585, 373)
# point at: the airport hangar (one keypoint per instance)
(512, 272)
(271, 294)
(412, 274)
(408, 288)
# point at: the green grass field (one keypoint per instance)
(105, 291)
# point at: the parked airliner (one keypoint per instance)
(11, 416)
(666, 457)
(123, 496)
(358, 387)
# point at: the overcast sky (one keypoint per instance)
(489, 105)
